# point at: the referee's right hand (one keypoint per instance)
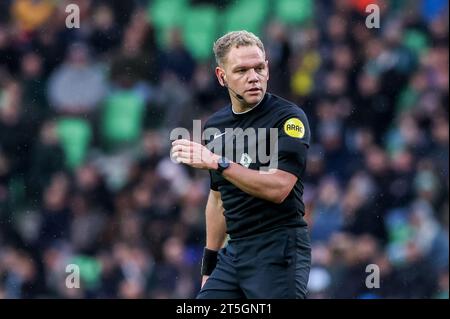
(204, 279)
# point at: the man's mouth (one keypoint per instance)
(252, 90)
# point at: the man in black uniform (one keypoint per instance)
(258, 204)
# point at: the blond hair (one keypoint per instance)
(233, 39)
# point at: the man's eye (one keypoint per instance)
(241, 71)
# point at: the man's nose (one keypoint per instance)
(252, 76)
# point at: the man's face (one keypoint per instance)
(246, 72)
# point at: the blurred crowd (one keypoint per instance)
(377, 182)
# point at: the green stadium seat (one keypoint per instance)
(246, 15)
(166, 15)
(90, 270)
(294, 11)
(200, 30)
(406, 100)
(416, 41)
(75, 135)
(398, 5)
(122, 118)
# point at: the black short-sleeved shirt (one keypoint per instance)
(247, 139)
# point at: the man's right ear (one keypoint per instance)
(220, 76)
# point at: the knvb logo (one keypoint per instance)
(73, 277)
(73, 19)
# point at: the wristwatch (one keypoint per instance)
(222, 164)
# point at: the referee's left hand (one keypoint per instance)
(193, 154)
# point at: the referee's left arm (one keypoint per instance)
(274, 187)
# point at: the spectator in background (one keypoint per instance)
(16, 133)
(360, 211)
(78, 85)
(105, 35)
(327, 213)
(90, 182)
(136, 265)
(177, 61)
(173, 266)
(47, 159)
(279, 53)
(34, 90)
(56, 215)
(137, 58)
(372, 109)
(20, 274)
(9, 55)
(87, 225)
(429, 237)
(30, 14)
(400, 191)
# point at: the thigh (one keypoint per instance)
(282, 267)
(223, 282)
(302, 262)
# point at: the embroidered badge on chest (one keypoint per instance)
(246, 160)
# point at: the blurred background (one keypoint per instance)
(85, 116)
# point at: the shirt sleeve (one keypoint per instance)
(293, 142)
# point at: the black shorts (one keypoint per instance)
(270, 265)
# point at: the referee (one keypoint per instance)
(268, 253)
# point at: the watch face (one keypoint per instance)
(223, 163)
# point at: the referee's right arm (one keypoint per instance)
(215, 230)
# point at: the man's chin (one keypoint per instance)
(252, 99)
